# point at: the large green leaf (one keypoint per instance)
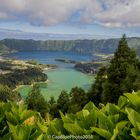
(86, 119)
(90, 106)
(81, 118)
(91, 119)
(134, 99)
(74, 129)
(133, 116)
(52, 130)
(118, 129)
(114, 118)
(122, 101)
(66, 118)
(43, 128)
(19, 132)
(11, 118)
(112, 109)
(26, 114)
(82, 114)
(138, 125)
(58, 123)
(102, 132)
(135, 133)
(40, 137)
(105, 122)
(5, 107)
(21, 108)
(35, 135)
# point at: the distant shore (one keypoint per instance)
(20, 86)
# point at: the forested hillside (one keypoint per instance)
(4, 48)
(81, 46)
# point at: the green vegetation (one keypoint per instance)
(7, 94)
(78, 99)
(35, 101)
(36, 64)
(113, 115)
(110, 122)
(91, 67)
(33, 62)
(17, 72)
(63, 102)
(121, 76)
(94, 94)
(94, 46)
(14, 73)
(4, 49)
(71, 102)
(68, 102)
(22, 77)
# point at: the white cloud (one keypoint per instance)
(110, 13)
(51, 12)
(123, 13)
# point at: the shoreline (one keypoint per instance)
(23, 63)
(20, 86)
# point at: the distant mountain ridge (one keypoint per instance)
(106, 46)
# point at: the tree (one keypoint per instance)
(8, 94)
(94, 94)
(63, 101)
(119, 72)
(53, 109)
(122, 75)
(78, 99)
(35, 101)
(52, 101)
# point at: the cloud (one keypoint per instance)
(110, 13)
(121, 13)
(51, 12)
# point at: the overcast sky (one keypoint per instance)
(97, 17)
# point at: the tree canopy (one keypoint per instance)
(36, 101)
(121, 76)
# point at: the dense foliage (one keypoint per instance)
(110, 122)
(7, 94)
(22, 77)
(122, 75)
(71, 102)
(35, 101)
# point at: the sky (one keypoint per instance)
(96, 17)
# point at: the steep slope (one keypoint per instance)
(81, 46)
(4, 48)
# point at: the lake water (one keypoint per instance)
(62, 78)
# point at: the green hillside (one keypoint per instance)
(81, 46)
(4, 48)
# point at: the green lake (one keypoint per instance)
(64, 77)
(59, 80)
